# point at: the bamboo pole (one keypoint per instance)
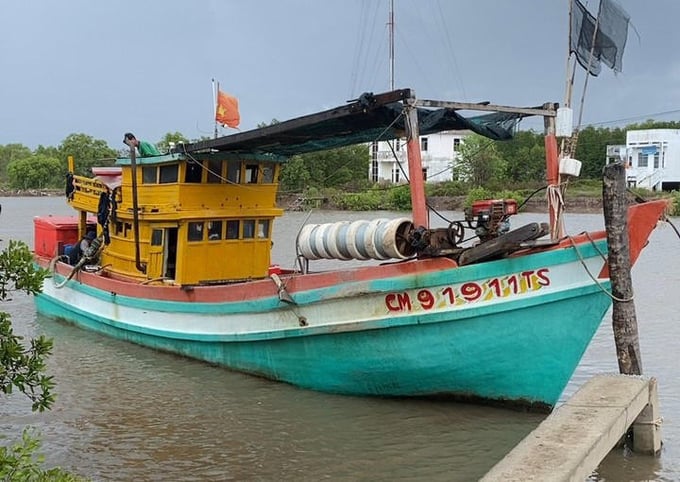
(624, 320)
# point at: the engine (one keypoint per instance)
(489, 217)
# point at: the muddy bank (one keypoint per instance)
(457, 203)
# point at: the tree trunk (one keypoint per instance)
(624, 320)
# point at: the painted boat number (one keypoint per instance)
(470, 292)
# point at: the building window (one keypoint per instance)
(395, 174)
(456, 145)
(423, 144)
(656, 160)
(397, 145)
(641, 159)
(374, 149)
(424, 173)
(374, 171)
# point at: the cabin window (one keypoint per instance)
(214, 171)
(149, 175)
(251, 173)
(194, 171)
(232, 229)
(168, 174)
(127, 227)
(195, 231)
(423, 144)
(249, 229)
(214, 230)
(234, 172)
(119, 227)
(268, 173)
(157, 237)
(263, 228)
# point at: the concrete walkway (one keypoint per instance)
(577, 436)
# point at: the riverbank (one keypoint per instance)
(290, 202)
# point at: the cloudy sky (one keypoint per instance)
(104, 68)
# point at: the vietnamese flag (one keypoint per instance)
(227, 110)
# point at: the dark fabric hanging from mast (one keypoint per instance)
(612, 33)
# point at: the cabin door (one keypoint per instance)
(163, 252)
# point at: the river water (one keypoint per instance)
(125, 412)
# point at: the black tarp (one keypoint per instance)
(369, 118)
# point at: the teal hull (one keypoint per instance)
(523, 355)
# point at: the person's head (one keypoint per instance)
(130, 139)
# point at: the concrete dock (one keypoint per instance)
(571, 442)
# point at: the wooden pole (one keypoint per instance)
(624, 320)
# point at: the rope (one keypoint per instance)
(595, 280)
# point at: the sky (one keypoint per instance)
(104, 68)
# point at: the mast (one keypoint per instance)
(390, 23)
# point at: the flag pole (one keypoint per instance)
(214, 92)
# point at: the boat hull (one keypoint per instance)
(510, 331)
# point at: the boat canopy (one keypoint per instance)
(366, 119)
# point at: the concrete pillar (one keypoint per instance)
(647, 426)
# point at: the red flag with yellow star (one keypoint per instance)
(227, 110)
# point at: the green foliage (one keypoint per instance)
(343, 167)
(675, 206)
(479, 161)
(294, 175)
(399, 198)
(477, 194)
(9, 154)
(21, 463)
(524, 157)
(87, 152)
(36, 172)
(24, 368)
(447, 188)
(164, 144)
(21, 367)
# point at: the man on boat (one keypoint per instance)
(145, 149)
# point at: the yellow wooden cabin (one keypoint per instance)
(204, 218)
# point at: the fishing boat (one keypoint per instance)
(182, 263)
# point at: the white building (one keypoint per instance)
(652, 158)
(438, 151)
